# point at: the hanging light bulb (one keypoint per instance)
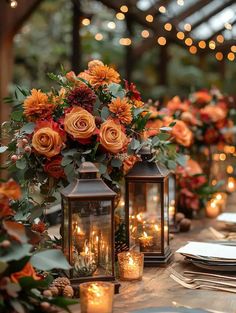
(220, 38)
(188, 41)
(168, 27)
(202, 44)
(180, 2)
(212, 45)
(13, 4)
(145, 33)
(149, 18)
(231, 56)
(228, 26)
(120, 16)
(219, 56)
(187, 27)
(162, 9)
(161, 41)
(180, 35)
(124, 8)
(193, 50)
(86, 21)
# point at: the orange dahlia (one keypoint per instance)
(101, 75)
(122, 109)
(37, 105)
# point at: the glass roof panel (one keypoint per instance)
(145, 4)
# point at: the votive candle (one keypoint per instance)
(130, 265)
(96, 297)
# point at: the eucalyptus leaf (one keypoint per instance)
(102, 168)
(137, 111)
(166, 128)
(105, 113)
(181, 159)
(28, 128)
(171, 164)
(50, 259)
(163, 136)
(116, 163)
(66, 160)
(116, 90)
(21, 164)
(16, 252)
(134, 144)
(17, 115)
(3, 149)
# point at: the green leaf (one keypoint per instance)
(28, 128)
(181, 159)
(21, 164)
(50, 259)
(116, 90)
(17, 306)
(3, 149)
(172, 124)
(102, 168)
(3, 266)
(163, 136)
(137, 111)
(105, 113)
(166, 128)
(66, 160)
(116, 163)
(70, 152)
(17, 115)
(135, 144)
(16, 252)
(30, 283)
(171, 164)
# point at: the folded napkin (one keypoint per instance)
(227, 217)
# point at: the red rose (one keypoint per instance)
(189, 200)
(54, 168)
(197, 182)
(211, 136)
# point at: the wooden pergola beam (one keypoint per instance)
(224, 4)
(218, 32)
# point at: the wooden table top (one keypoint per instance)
(158, 289)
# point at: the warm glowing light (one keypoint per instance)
(214, 182)
(222, 156)
(161, 41)
(145, 33)
(220, 38)
(230, 169)
(111, 25)
(188, 41)
(131, 261)
(120, 16)
(168, 27)
(231, 184)
(13, 4)
(99, 37)
(202, 44)
(139, 217)
(156, 227)
(193, 49)
(228, 26)
(231, 56)
(219, 196)
(162, 9)
(212, 45)
(149, 18)
(180, 2)
(219, 56)
(125, 41)
(124, 8)
(187, 27)
(233, 49)
(86, 21)
(180, 35)
(145, 234)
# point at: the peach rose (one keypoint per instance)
(27, 271)
(201, 97)
(79, 123)
(112, 137)
(47, 139)
(182, 134)
(152, 128)
(213, 113)
(193, 168)
(176, 104)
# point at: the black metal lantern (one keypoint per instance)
(146, 205)
(172, 203)
(88, 226)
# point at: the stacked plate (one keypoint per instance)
(210, 256)
(229, 219)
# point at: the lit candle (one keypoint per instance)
(220, 199)
(145, 242)
(130, 265)
(85, 262)
(79, 237)
(96, 297)
(231, 184)
(212, 209)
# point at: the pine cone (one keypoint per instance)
(54, 290)
(68, 292)
(120, 247)
(61, 283)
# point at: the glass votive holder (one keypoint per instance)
(130, 265)
(96, 297)
(212, 209)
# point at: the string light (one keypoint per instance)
(125, 41)
(231, 56)
(212, 45)
(124, 8)
(187, 27)
(188, 41)
(219, 56)
(111, 25)
(120, 16)
(168, 27)
(193, 50)
(145, 33)
(228, 26)
(98, 36)
(180, 2)
(220, 38)
(180, 35)
(13, 4)
(162, 9)
(161, 41)
(86, 21)
(202, 44)
(230, 169)
(149, 18)
(233, 49)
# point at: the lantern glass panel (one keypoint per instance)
(91, 238)
(66, 239)
(165, 209)
(145, 216)
(172, 197)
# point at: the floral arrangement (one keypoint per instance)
(90, 117)
(193, 188)
(22, 288)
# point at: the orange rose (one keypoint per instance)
(79, 123)
(10, 190)
(27, 271)
(129, 163)
(202, 97)
(152, 128)
(176, 104)
(193, 168)
(213, 113)
(37, 106)
(47, 139)
(189, 118)
(112, 137)
(182, 134)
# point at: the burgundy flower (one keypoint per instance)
(82, 96)
(132, 90)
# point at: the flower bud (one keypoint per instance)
(14, 158)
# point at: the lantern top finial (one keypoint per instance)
(88, 167)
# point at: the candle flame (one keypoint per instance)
(95, 289)
(131, 261)
(145, 234)
(156, 227)
(139, 217)
(218, 196)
